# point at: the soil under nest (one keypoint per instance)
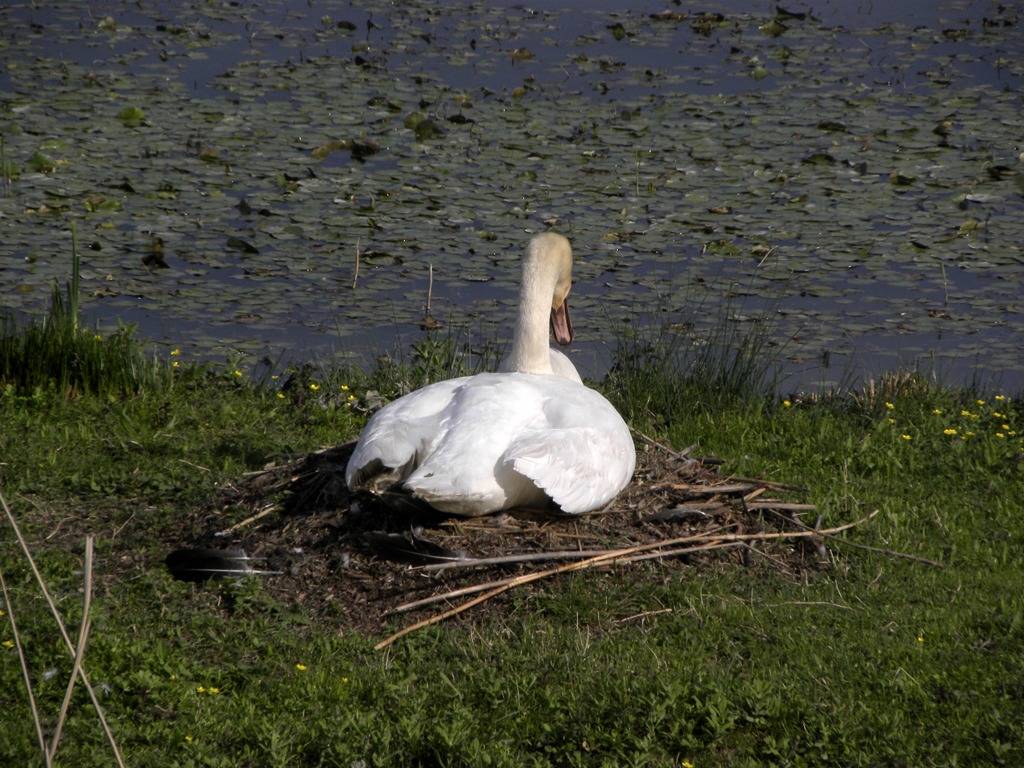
(354, 559)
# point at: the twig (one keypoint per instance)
(767, 484)
(470, 590)
(430, 288)
(678, 552)
(532, 557)
(83, 637)
(566, 554)
(514, 582)
(62, 628)
(249, 520)
(754, 494)
(712, 490)
(683, 454)
(644, 615)
(893, 553)
(610, 557)
(776, 506)
(196, 466)
(766, 556)
(355, 276)
(508, 581)
(829, 535)
(24, 671)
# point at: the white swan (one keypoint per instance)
(526, 437)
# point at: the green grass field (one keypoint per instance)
(870, 660)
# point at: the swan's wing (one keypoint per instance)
(583, 456)
(580, 468)
(464, 472)
(398, 435)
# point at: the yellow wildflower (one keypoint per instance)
(905, 437)
(314, 387)
(301, 667)
(950, 431)
(890, 406)
(175, 352)
(238, 372)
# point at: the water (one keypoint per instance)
(683, 179)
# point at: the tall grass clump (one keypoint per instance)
(662, 371)
(60, 352)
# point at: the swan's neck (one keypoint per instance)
(530, 352)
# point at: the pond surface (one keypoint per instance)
(849, 175)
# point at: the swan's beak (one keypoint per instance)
(561, 325)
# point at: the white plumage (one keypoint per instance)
(524, 437)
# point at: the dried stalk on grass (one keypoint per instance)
(616, 557)
(24, 672)
(355, 274)
(78, 671)
(83, 636)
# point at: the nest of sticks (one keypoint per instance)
(362, 560)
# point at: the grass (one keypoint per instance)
(868, 661)
(61, 353)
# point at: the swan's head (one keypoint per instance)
(549, 262)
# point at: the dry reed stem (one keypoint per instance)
(25, 673)
(683, 454)
(775, 508)
(893, 553)
(83, 637)
(492, 584)
(612, 557)
(771, 486)
(355, 276)
(249, 520)
(711, 490)
(63, 631)
(532, 557)
(430, 289)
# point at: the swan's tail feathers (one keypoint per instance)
(581, 480)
